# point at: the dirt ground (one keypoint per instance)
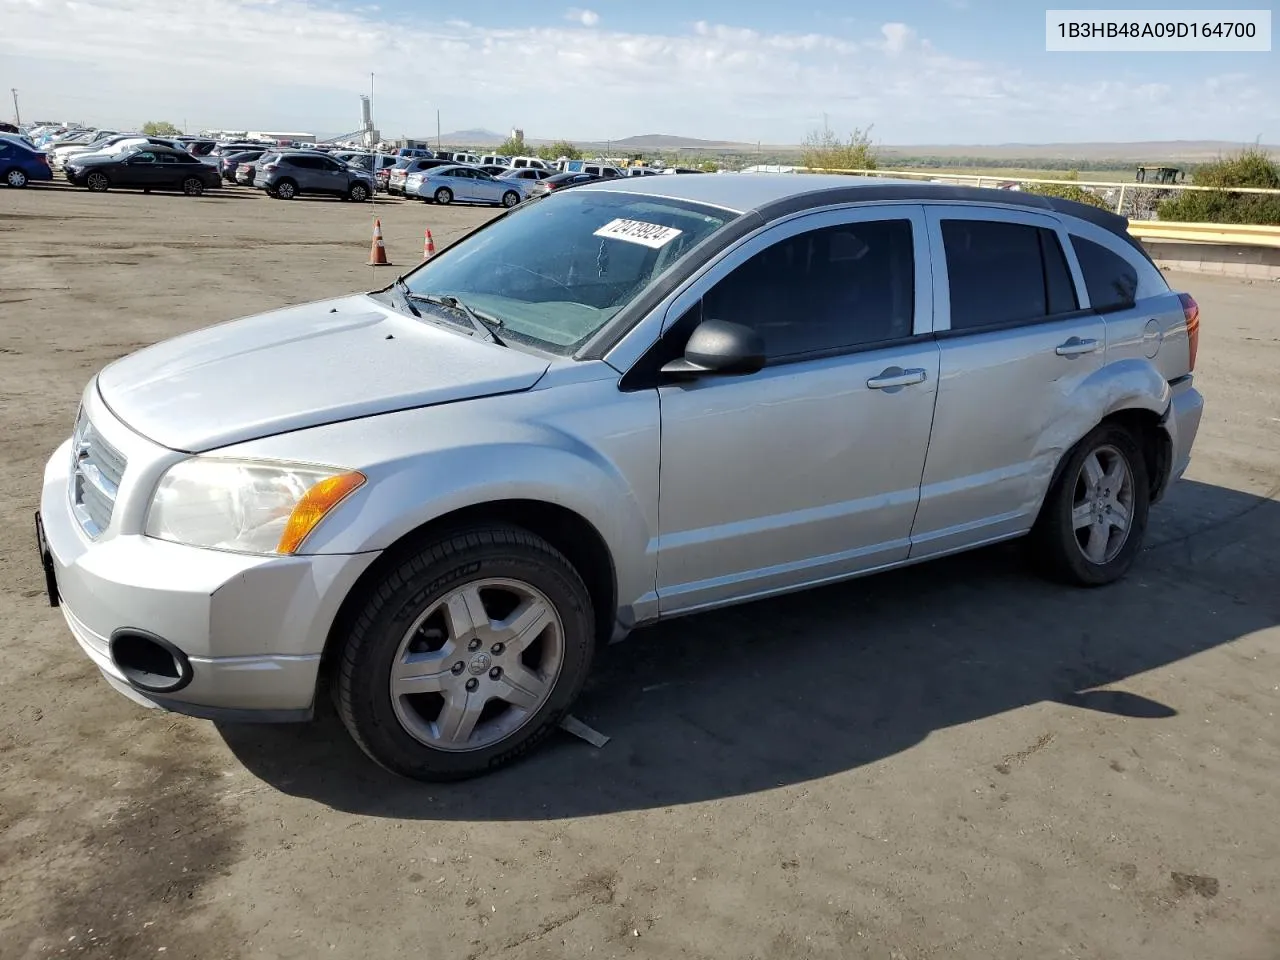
(954, 760)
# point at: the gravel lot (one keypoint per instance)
(954, 760)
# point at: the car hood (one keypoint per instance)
(300, 367)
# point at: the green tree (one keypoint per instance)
(561, 148)
(708, 166)
(1251, 167)
(160, 128)
(1069, 191)
(824, 150)
(512, 147)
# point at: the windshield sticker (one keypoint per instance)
(653, 235)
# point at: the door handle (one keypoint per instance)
(892, 377)
(1074, 347)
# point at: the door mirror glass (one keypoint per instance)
(719, 347)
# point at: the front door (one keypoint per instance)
(808, 470)
(1016, 348)
(140, 170)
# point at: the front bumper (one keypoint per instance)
(252, 628)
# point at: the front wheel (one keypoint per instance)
(16, 178)
(97, 182)
(358, 192)
(510, 198)
(1094, 518)
(192, 187)
(466, 655)
(444, 196)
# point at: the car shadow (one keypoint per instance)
(791, 689)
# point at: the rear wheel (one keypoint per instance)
(97, 182)
(286, 189)
(444, 196)
(466, 655)
(358, 192)
(193, 186)
(510, 198)
(15, 178)
(1094, 518)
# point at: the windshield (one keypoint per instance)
(555, 272)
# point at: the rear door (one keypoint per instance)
(1015, 346)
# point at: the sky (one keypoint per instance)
(913, 71)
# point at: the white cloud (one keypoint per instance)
(588, 18)
(297, 64)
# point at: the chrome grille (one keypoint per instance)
(96, 469)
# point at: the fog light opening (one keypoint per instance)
(149, 662)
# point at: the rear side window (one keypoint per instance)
(830, 289)
(1111, 280)
(1003, 274)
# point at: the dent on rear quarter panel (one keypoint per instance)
(1122, 385)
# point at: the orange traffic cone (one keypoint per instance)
(428, 246)
(378, 252)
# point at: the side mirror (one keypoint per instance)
(719, 347)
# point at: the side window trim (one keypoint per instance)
(936, 213)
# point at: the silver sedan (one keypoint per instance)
(463, 184)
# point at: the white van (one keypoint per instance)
(519, 163)
(494, 160)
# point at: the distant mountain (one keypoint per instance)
(479, 137)
(664, 141)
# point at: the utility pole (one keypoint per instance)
(17, 115)
(437, 129)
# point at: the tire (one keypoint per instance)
(286, 190)
(444, 196)
(16, 178)
(510, 199)
(1077, 538)
(193, 186)
(485, 574)
(358, 193)
(97, 182)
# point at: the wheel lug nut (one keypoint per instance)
(457, 668)
(473, 645)
(472, 684)
(498, 648)
(495, 673)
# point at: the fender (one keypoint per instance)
(585, 447)
(1130, 384)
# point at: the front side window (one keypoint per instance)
(557, 271)
(835, 288)
(1002, 273)
(1111, 280)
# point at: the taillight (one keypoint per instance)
(270, 166)
(1191, 310)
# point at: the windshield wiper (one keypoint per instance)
(406, 295)
(486, 326)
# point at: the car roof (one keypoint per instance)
(779, 194)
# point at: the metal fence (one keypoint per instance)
(1137, 201)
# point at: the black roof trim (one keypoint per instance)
(943, 193)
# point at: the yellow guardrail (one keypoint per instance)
(1238, 233)
(983, 179)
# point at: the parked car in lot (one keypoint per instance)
(464, 184)
(559, 181)
(153, 168)
(21, 163)
(531, 174)
(493, 169)
(231, 163)
(399, 173)
(289, 175)
(445, 493)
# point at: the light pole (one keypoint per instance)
(17, 115)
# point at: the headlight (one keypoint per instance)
(244, 505)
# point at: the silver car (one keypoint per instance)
(464, 184)
(636, 399)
